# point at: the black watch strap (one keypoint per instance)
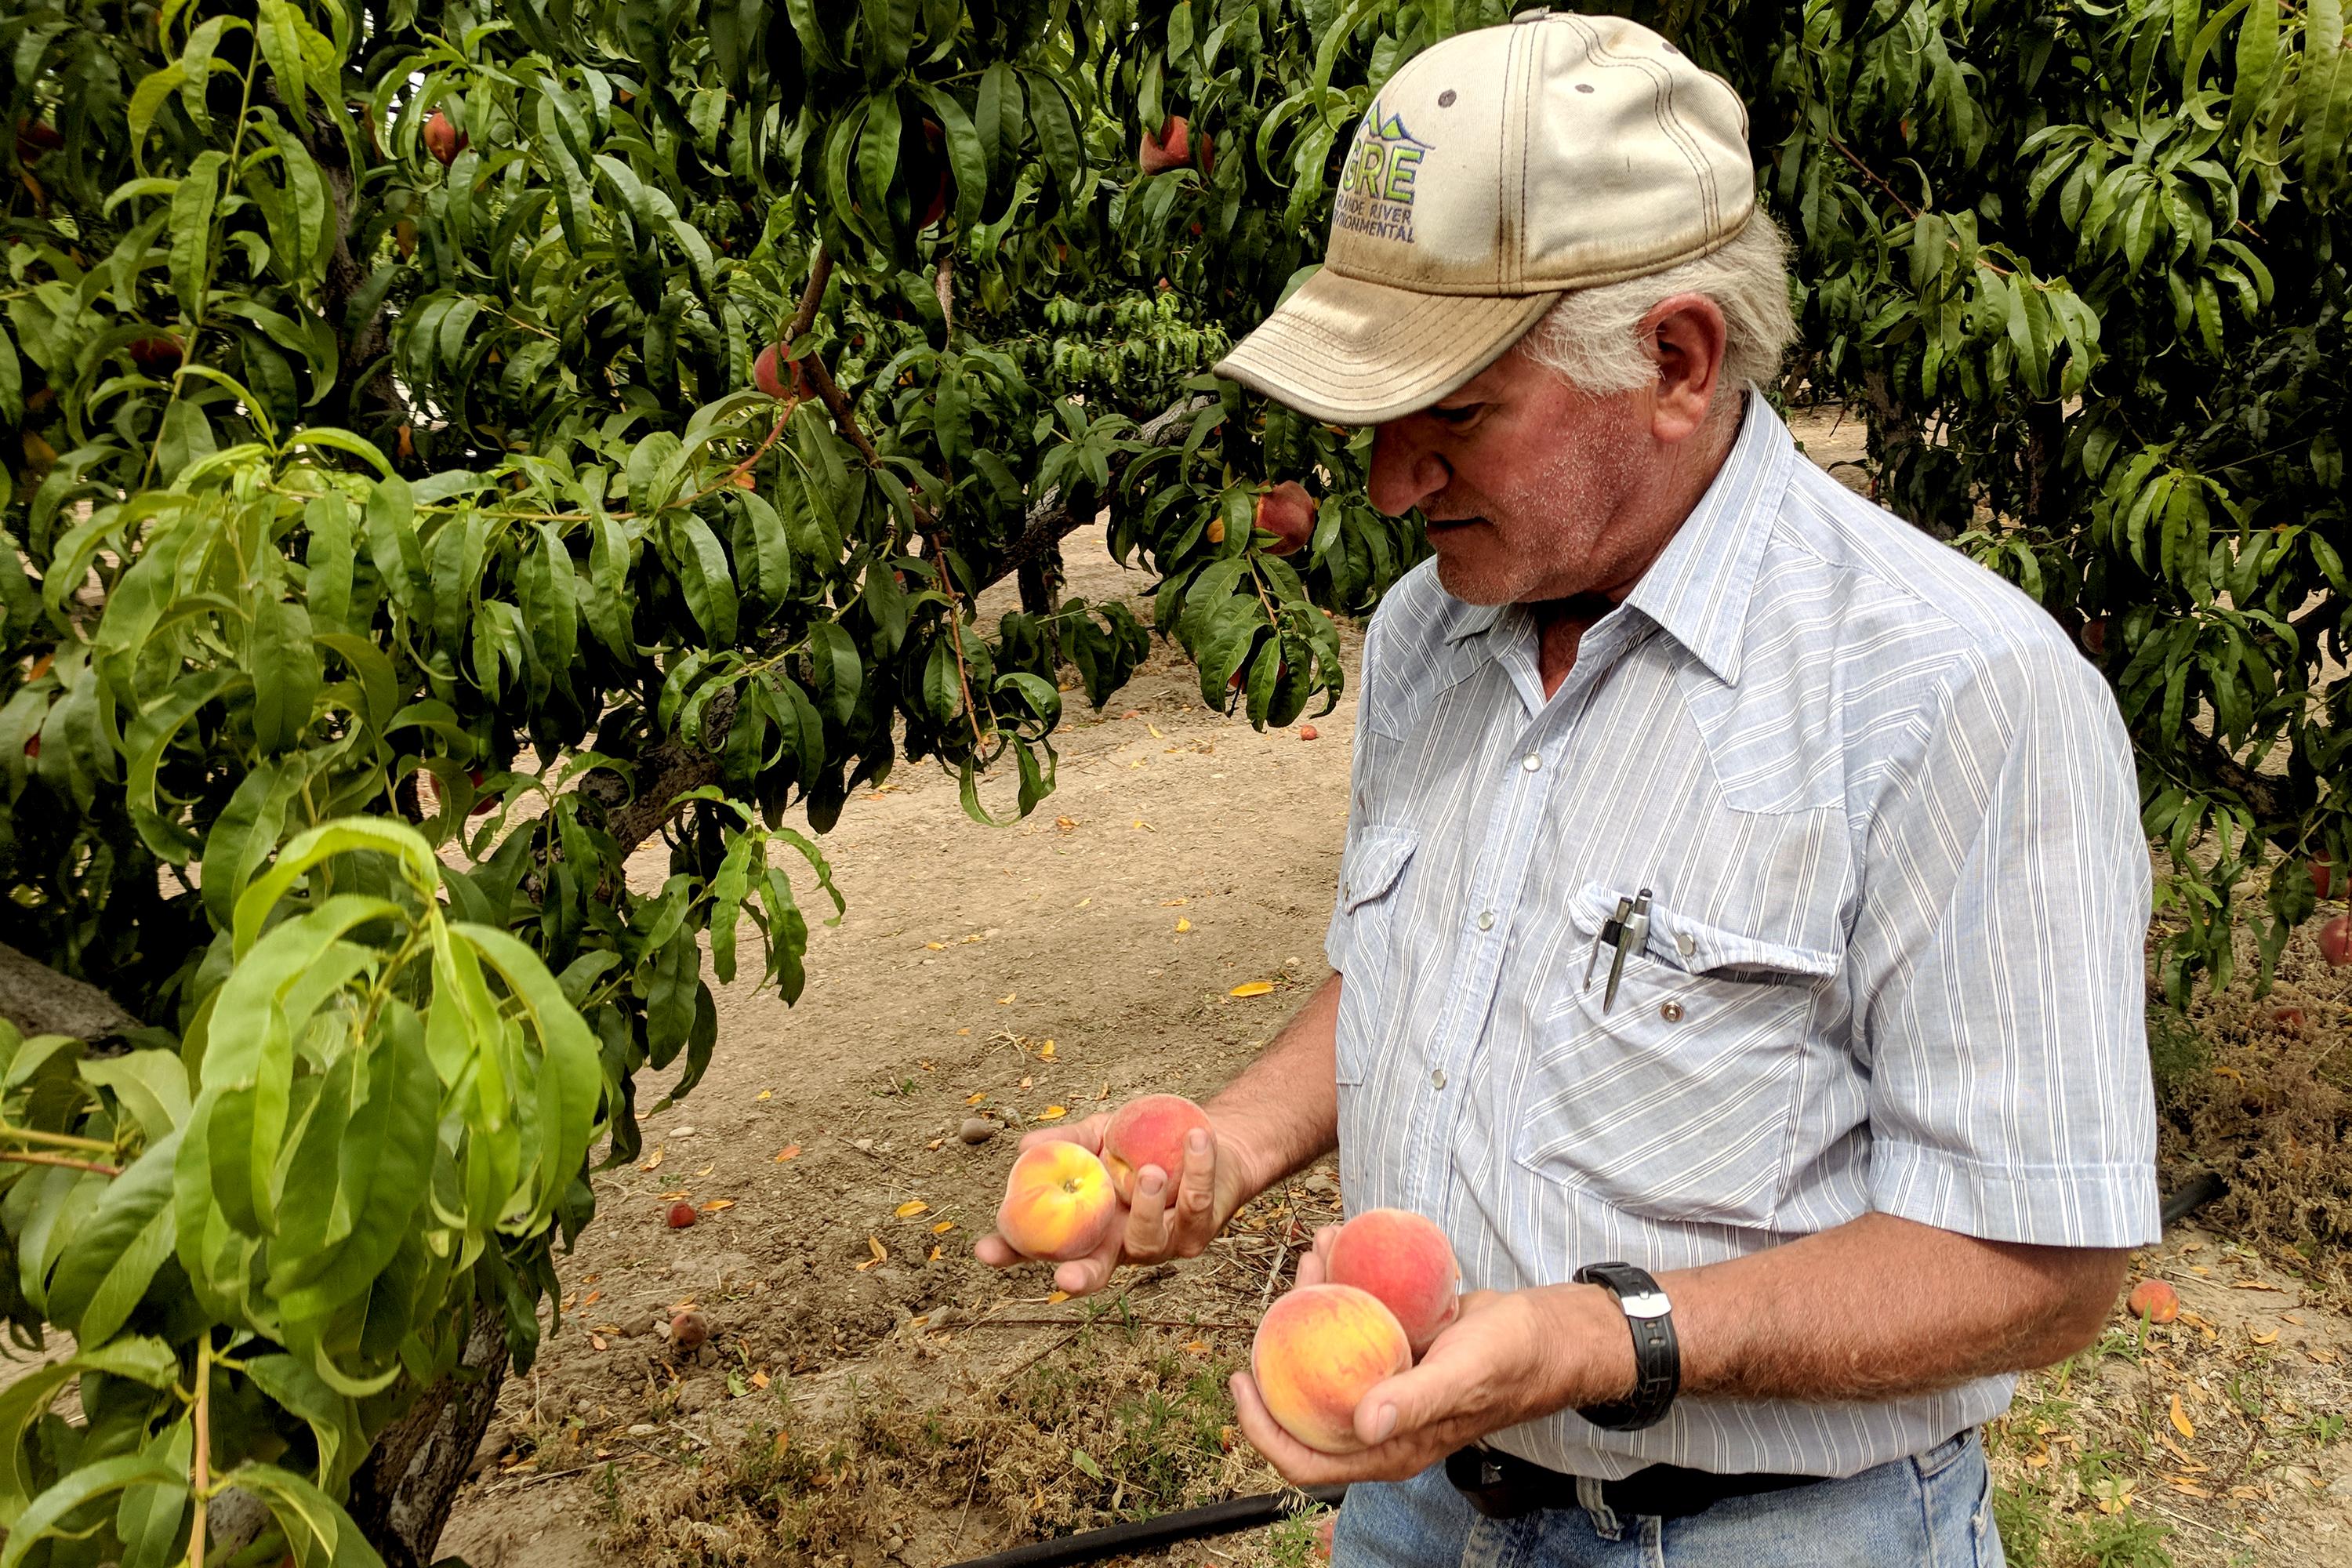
(1657, 1359)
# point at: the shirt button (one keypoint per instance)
(1438, 1076)
(1531, 761)
(1672, 1012)
(1683, 943)
(1486, 919)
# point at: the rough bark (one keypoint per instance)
(401, 1495)
(1041, 583)
(41, 1001)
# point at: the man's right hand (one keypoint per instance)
(1176, 1214)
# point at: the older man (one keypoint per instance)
(1738, 946)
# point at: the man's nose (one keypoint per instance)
(1406, 470)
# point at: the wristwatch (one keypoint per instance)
(1657, 1360)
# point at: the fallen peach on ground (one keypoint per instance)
(1405, 1260)
(1149, 1132)
(1058, 1201)
(1319, 1351)
(2154, 1299)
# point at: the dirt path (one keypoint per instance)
(1084, 955)
(873, 1395)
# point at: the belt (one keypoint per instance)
(1504, 1486)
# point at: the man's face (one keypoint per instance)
(1521, 478)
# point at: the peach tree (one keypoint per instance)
(451, 449)
(2082, 270)
(486, 484)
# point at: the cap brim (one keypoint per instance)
(1356, 352)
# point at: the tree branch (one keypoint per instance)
(41, 1001)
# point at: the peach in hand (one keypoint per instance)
(1058, 1204)
(1149, 1132)
(1405, 1260)
(1319, 1351)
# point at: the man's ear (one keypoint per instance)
(1684, 334)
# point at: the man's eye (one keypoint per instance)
(1460, 415)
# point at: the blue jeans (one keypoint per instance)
(1931, 1510)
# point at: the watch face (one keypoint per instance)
(1644, 1304)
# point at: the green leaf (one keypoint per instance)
(763, 555)
(192, 231)
(281, 45)
(47, 1515)
(147, 100)
(890, 33)
(152, 1085)
(106, 1267)
(284, 665)
(839, 671)
(703, 574)
(381, 1167)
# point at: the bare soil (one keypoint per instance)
(872, 1395)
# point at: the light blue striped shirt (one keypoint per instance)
(1899, 892)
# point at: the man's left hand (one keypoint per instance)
(1509, 1356)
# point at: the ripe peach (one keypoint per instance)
(1171, 149)
(1308, 732)
(36, 138)
(2323, 872)
(1058, 1201)
(681, 1215)
(443, 139)
(689, 1330)
(2335, 941)
(2155, 1300)
(1405, 1260)
(2094, 636)
(768, 373)
(1288, 512)
(1149, 1132)
(156, 353)
(1317, 1353)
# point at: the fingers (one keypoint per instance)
(1194, 1224)
(1300, 1464)
(1088, 1132)
(1145, 1236)
(1316, 1266)
(996, 1252)
(1084, 1276)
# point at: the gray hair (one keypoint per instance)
(1588, 338)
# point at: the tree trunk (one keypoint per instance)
(1041, 581)
(2045, 487)
(401, 1495)
(41, 1001)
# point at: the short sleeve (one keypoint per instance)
(1998, 965)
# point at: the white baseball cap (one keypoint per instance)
(1494, 173)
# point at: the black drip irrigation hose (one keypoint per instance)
(2202, 1189)
(1164, 1529)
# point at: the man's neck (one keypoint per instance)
(1655, 516)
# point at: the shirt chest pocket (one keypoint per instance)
(1676, 1101)
(1363, 945)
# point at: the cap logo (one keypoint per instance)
(1376, 186)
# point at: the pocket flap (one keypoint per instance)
(1372, 863)
(1698, 947)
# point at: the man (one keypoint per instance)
(1738, 947)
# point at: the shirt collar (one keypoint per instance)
(1697, 589)
(1699, 586)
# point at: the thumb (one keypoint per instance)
(1405, 1403)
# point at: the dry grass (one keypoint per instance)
(936, 1460)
